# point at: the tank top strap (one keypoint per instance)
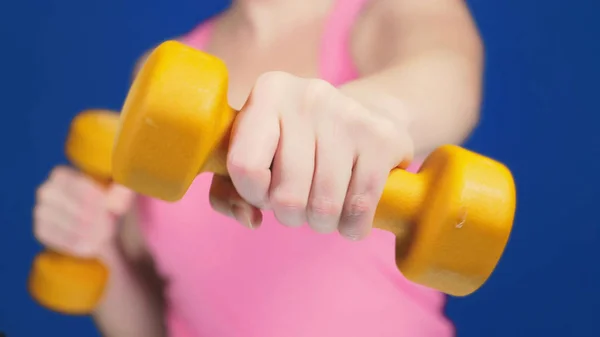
(336, 64)
(199, 36)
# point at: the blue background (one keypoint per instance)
(540, 117)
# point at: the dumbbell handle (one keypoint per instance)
(400, 202)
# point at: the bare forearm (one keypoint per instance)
(132, 305)
(422, 60)
(439, 91)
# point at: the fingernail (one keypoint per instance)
(256, 219)
(241, 216)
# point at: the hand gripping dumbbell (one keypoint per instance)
(64, 283)
(452, 220)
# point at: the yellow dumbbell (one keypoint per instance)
(452, 220)
(68, 284)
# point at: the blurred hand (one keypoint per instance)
(75, 215)
(310, 153)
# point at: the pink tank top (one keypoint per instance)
(224, 280)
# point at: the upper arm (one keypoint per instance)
(391, 31)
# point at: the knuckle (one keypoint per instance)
(317, 86)
(317, 93)
(250, 181)
(287, 202)
(42, 233)
(355, 118)
(61, 172)
(38, 214)
(359, 207)
(386, 131)
(390, 140)
(272, 80)
(43, 192)
(354, 110)
(397, 144)
(56, 238)
(324, 207)
(240, 168)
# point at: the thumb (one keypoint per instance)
(225, 200)
(119, 199)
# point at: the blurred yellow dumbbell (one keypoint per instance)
(64, 283)
(452, 220)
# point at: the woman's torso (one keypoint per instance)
(224, 280)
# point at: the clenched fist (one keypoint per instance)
(75, 215)
(311, 154)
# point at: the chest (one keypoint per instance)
(278, 281)
(296, 51)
